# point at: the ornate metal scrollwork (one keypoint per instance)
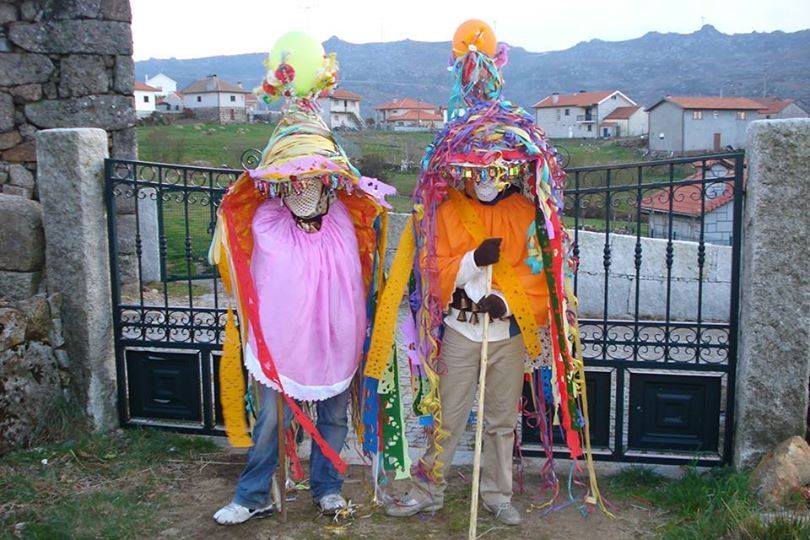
(251, 158)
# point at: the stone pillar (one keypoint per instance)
(774, 344)
(71, 187)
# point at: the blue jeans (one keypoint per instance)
(253, 489)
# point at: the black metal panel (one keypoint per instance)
(164, 385)
(674, 412)
(598, 385)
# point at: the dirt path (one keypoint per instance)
(208, 486)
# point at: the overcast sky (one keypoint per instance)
(196, 28)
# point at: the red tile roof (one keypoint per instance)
(686, 198)
(406, 103)
(622, 113)
(144, 87)
(340, 93)
(416, 115)
(773, 105)
(701, 102)
(580, 99)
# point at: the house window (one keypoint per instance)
(590, 127)
(345, 103)
(233, 98)
(716, 114)
(199, 99)
(146, 99)
(567, 112)
(558, 114)
(697, 115)
(740, 115)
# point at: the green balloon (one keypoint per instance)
(304, 54)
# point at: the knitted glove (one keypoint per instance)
(494, 305)
(489, 252)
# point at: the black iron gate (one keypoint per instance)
(168, 314)
(658, 285)
(659, 250)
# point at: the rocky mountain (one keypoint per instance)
(706, 62)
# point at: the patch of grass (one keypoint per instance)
(201, 220)
(778, 529)
(178, 288)
(585, 152)
(615, 226)
(713, 504)
(92, 486)
(203, 144)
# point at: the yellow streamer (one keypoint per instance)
(385, 321)
(505, 275)
(232, 387)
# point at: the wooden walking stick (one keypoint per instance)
(281, 470)
(479, 418)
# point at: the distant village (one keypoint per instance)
(672, 125)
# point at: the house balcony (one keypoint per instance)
(585, 118)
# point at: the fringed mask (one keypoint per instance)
(308, 202)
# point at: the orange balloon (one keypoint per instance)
(474, 32)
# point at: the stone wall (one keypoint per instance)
(63, 63)
(221, 115)
(66, 63)
(22, 247)
(34, 370)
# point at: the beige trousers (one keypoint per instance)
(460, 359)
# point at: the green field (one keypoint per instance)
(376, 153)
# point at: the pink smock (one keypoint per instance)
(311, 301)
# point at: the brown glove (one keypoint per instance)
(489, 252)
(494, 305)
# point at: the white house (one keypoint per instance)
(625, 122)
(579, 115)
(696, 123)
(213, 100)
(687, 207)
(341, 109)
(170, 103)
(162, 82)
(409, 114)
(145, 99)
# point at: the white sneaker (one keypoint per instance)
(233, 513)
(332, 503)
(415, 502)
(504, 512)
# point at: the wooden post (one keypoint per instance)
(281, 470)
(479, 418)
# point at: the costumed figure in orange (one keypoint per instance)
(488, 202)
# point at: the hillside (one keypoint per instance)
(704, 62)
